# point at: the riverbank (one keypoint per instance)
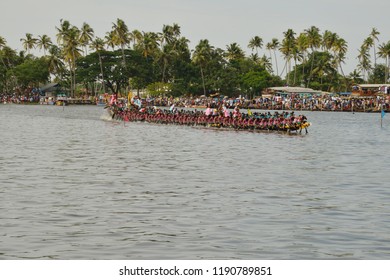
(355, 105)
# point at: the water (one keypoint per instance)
(76, 186)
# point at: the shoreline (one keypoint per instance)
(204, 107)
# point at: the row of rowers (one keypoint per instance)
(233, 119)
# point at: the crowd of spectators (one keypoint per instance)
(19, 99)
(290, 102)
(276, 102)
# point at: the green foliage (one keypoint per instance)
(137, 69)
(378, 74)
(159, 89)
(255, 81)
(31, 72)
(312, 58)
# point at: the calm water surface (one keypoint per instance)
(76, 186)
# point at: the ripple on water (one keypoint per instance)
(74, 186)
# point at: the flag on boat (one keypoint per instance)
(249, 112)
(383, 113)
(129, 97)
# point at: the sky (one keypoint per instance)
(222, 22)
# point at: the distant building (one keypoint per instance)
(51, 90)
(370, 89)
(288, 91)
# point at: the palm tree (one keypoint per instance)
(149, 44)
(384, 52)
(328, 40)
(98, 46)
(121, 36)
(314, 41)
(355, 76)
(302, 46)
(234, 51)
(169, 40)
(374, 36)
(110, 39)
(8, 58)
(165, 57)
(287, 48)
(297, 55)
(68, 37)
(136, 37)
(340, 48)
(44, 42)
(8, 54)
(268, 47)
(86, 36)
(55, 64)
(29, 42)
(275, 46)
(167, 35)
(3, 43)
(368, 43)
(176, 30)
(265, 62)
(255, 43)
(63, 30)
(364, 60)
(201, 57)
(324, 67)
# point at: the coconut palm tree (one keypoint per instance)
(287, 49)
(44, 42)
(149, 44)
(314, 41)
(275, 46)
(169, 40)
(165, 56)
(68, 37)
(176, 30)
(268, 47)
(374, 36)
(340, 48)
(121, 36)
(255, 58)
(368, 43)
(8, 54)
(3, 43)
(328, 40)
(9, 59)
(297, 55)
(29, 42)
(255, 43)
(384, 52)
(166, 36)
(110, 40)
(364, 60)
(86, 36)
(302, 46)
(63, 30)
(201, 56)
(234, 51)
(98, 46)
(355, 77)
(265, 62)
(55, 64)
(136, 37)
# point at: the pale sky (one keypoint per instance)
(222, 22)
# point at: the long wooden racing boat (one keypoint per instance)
(283, 122)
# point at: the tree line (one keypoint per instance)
(163, 64)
